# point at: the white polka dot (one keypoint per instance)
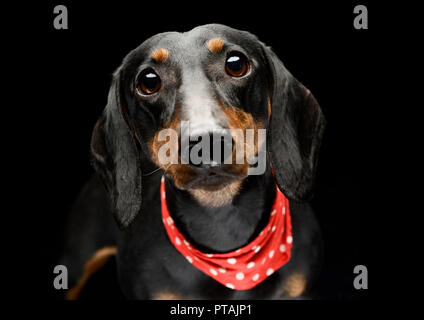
(273, 212)
(186, 242)
(169, 220)
(222, 270)
(269, 272)
(255, 277)
(273, 228)
(250, 265)
(240, 276)
(196, 258)
(177, 241)
(284, 210)
(162, 179)
(271, 254)
(282, 248)
(263, 260)
(238, 250)
(189, 259)
(231, 261)
(163, 195)
(213, 271)
(289, 239)
(261, 233)
(256, 248)
(229, 285)
(209, 255)
(269, 228)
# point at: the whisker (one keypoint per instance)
(148, 174)
(164, 169)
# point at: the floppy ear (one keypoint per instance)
(116, 158)
(295, 131)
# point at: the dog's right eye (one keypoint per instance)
(148, 82)
(237, 65)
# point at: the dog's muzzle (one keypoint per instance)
(207, 150)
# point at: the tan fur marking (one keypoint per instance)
(179, 172)
(239, 119)
(167, 296)
(97, 261)
(269, 109)
(160, 55)
(295, 285)
(218, 198)
(215, 44)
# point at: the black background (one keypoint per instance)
(68, 80)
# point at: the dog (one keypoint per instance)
(215, 78)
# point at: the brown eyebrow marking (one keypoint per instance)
(160, 55)
(215, 44)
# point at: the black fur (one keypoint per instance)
(148, 264)
(116, 158)
(295, 133)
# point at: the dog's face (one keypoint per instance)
(204, 83)
(211, 84)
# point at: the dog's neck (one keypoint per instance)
(227, 227)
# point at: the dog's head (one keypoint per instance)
(207, 88)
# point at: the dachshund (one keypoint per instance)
(199, 229)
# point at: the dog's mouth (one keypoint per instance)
(213, 187)
(213, 179)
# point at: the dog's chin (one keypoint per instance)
(214, 190)
(214, 179)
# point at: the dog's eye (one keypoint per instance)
(237, 64)
(148, 82)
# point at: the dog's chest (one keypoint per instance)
(160, 271)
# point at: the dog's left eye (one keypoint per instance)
(148, 82)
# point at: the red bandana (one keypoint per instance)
(248, 266)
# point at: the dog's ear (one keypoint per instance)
(116, 158)
(294, 134)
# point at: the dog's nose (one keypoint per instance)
(211, 153)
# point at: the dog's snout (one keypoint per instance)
(209, 150)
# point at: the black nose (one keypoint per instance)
(211, 154)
